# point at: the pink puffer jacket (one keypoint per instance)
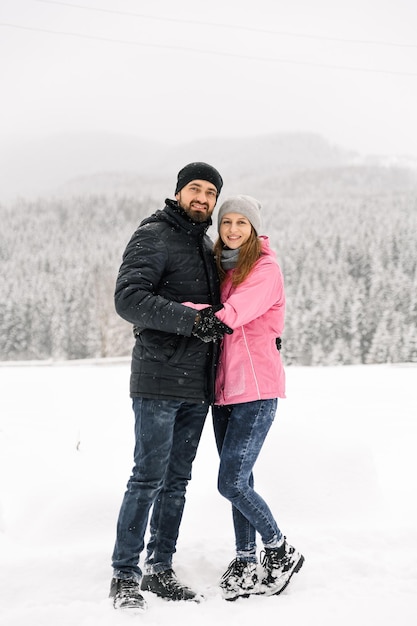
(250, 366)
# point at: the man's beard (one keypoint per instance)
(196, 216)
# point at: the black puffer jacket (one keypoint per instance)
(168, 260)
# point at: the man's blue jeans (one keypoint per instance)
(167, 435)
(240, 431)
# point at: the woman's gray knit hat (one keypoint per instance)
(245, 205)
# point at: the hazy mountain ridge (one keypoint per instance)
(37, 166)
(111, 163)
(331, 181)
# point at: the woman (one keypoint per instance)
(250, 379)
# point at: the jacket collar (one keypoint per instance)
(177, 214)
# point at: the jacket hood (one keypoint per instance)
(266, 248)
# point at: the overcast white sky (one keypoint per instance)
(182, 70)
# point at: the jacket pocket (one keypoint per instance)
(160, 346)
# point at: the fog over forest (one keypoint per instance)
(344, 230)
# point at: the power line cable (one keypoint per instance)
(234, 26)
(208, 52)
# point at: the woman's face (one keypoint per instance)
(235, 229)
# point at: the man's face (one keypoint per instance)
(198, 199)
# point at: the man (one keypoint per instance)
(168, 260)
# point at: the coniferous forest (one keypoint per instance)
(348, 256)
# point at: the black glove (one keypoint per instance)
(278, 343)
(207, 327)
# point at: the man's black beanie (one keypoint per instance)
(199, 171)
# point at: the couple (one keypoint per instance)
(206, 324)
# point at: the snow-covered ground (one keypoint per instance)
(338, 469)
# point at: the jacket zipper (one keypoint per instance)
(251, 363)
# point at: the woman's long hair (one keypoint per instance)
(249, 253)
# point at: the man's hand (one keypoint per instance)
(207, 327)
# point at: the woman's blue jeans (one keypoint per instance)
(240, 431)
(167, 434)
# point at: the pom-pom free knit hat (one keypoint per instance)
(245, 205)
(198, 171)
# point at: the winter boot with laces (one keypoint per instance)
(166, 585)
(279, 564)
(240, 580)
(126, 595)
